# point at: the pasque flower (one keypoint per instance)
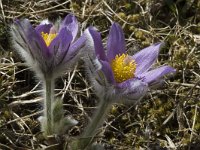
(115, 75)
(48, 49)
(125, 76)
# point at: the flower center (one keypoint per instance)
(123, 67)
(48, 38)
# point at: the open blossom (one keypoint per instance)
(118, 74)
(47, 48)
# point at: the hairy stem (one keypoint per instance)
(48, 101)
(97, 120)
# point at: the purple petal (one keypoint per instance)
(75, 48)
(60, 45)
(106, 68)
(116, 41)
(33, 39)
(71, 23)
(97, 44)
(156, 74)
(132, 89)
(43, 28)
(146, 57)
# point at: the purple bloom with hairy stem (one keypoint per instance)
(120, 75)
(49, 49)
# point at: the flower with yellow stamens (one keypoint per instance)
(47, 49)
(118, 74)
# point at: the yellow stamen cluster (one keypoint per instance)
(48, 38)
(123, 67)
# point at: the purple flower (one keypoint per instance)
(119, 74)
(49, 49)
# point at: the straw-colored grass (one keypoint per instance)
(167, 118)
